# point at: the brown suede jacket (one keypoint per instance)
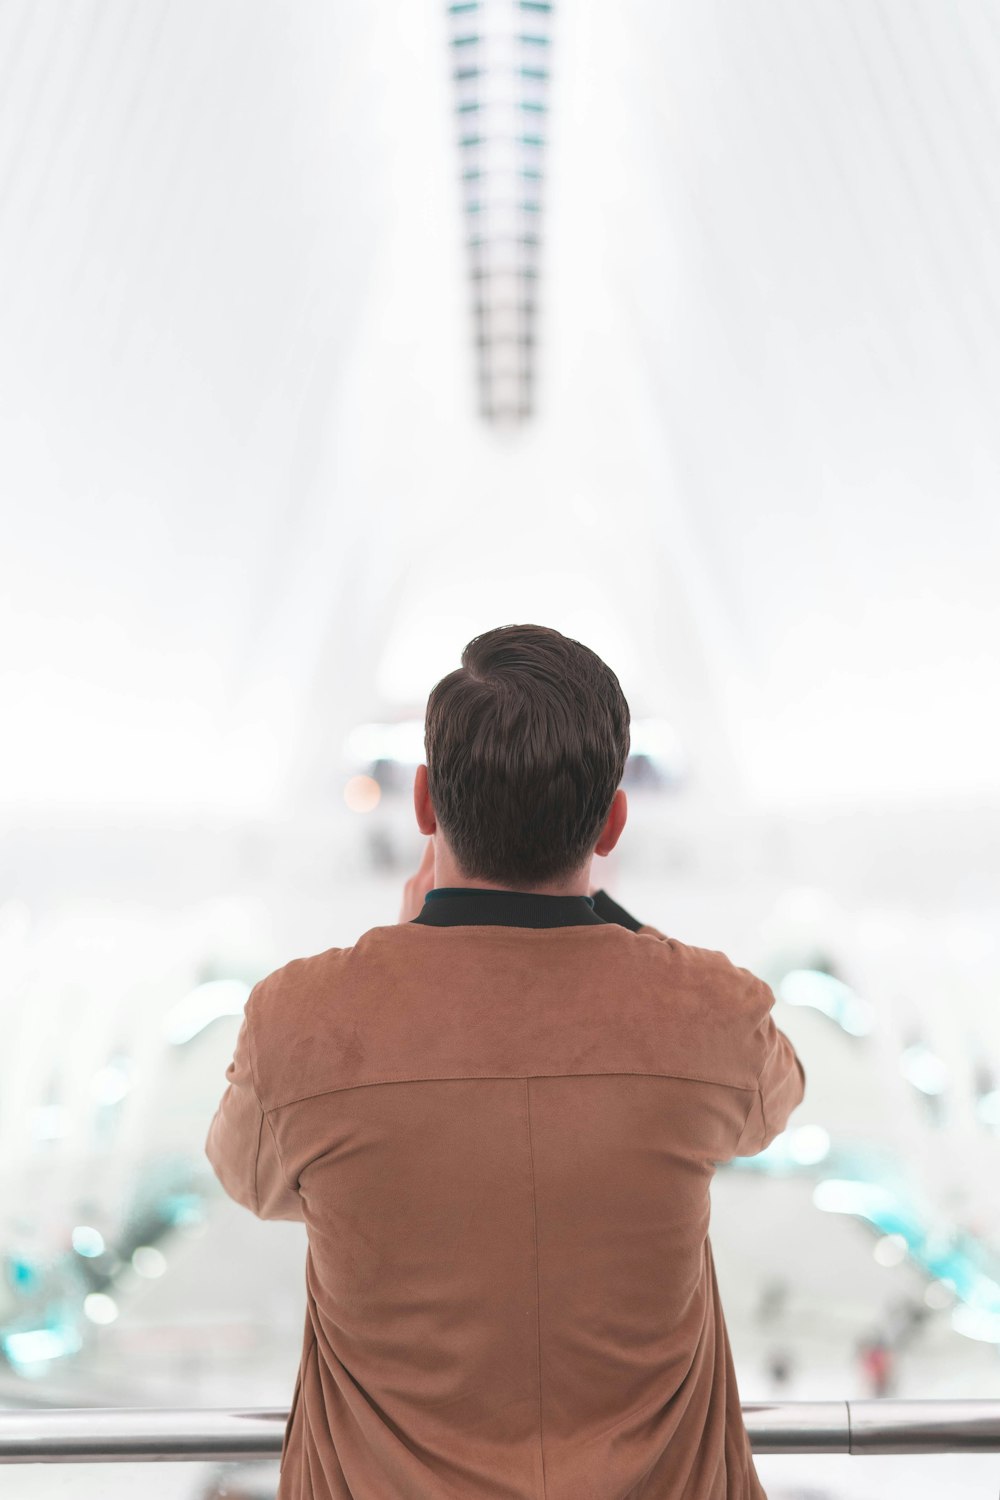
(499, 1124)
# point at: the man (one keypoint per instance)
(499, 1120)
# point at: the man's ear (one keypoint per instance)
(422, 805)
(613, 824)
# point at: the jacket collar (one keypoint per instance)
(468, 906)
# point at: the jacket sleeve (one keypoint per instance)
(241, 1145)
(781, 1085)
(781, 1081)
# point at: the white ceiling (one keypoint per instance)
(249, 501)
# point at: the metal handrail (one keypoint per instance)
(144, 1434)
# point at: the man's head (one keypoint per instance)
(526, 745)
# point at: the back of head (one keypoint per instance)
(526, 745)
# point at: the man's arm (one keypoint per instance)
(781, 1086)
(241, 1145)
(782, 1080)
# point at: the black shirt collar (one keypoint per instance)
(469, 906)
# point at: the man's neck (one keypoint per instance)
(448, 875)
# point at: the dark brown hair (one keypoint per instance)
(526, 745)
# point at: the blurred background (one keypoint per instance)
(336, 334)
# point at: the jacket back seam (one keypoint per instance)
(343, 1088)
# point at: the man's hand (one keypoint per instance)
(418, 885)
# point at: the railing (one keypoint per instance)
(146, 1434)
